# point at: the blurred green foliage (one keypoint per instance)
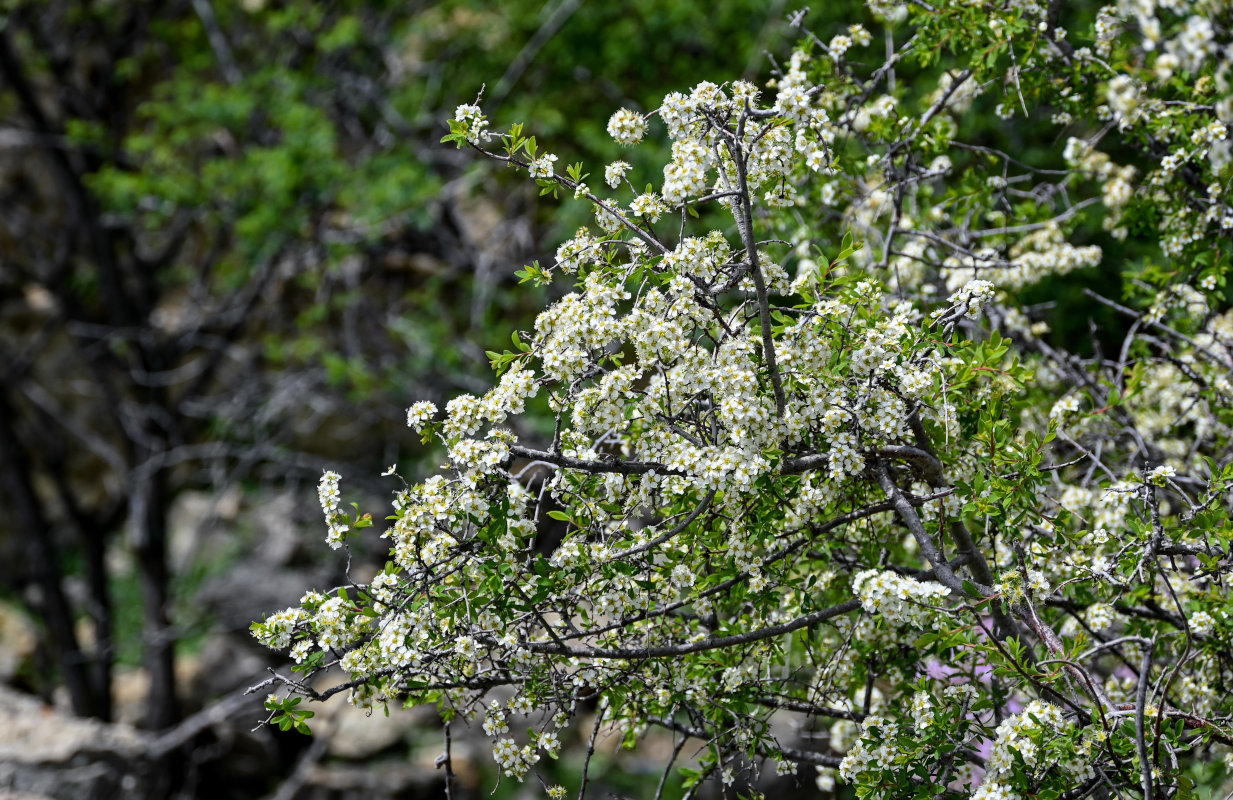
(302, 122)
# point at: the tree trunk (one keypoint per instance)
(45, 569)
(148, 512)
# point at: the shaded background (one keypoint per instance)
(232, 252)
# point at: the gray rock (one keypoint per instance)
(248, 591)
(47, 754)
(357, 734)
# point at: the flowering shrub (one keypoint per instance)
(814, 460)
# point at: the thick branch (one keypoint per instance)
(615, 466)
(945, 575)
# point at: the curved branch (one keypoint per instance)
(945, 575)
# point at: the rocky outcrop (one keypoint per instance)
(46, 754)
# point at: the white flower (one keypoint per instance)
(299, 651)
(550, 743)
(1166, 64)
(1065, 407)
(494, 720)
(505, 751)
(993, 790)
(1160, 475)
(334, 536)
(1124, 99)
(466, 647)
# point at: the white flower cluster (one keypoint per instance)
(1041, 253)
(793, 98)
(648, 206)
(994, 790)
(614, 173)
(1100, 616)
(1065, 407)
(1025, 734)
(891, 11)
(626, 127)
(968, 301)
(513, 760)
(900, 599)
(475, 121)
(328, 494)
(419, 413)
(477, 455)
(1013, 590)
(839, 45)
(541, 165)
(1194, 44)
(277, 629)
(686, 175)
(922, 710)
(333, 627)
(1125, 100)
(874, 747)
